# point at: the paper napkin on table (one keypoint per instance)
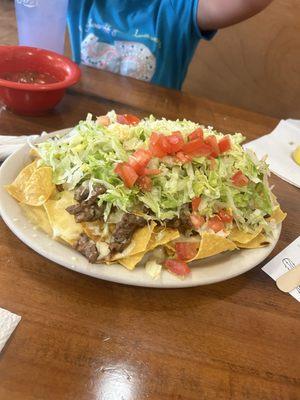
(9, 144)
(287, 259)
(279, 146)
(8, 323)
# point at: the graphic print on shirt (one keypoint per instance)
(128, 58)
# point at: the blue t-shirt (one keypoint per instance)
(151, 40)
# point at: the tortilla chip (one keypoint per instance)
(38, 216)
(131, 261)
(162, 236)
(170, 250)
(34, 153)
(212, 244)
(159, 237)
(63, 223)
(16, 188)
(278, 215)
(242, 237)
(139, 242)
(93, 229)
(33, 186)
(259, 241)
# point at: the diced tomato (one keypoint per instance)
(213, 143)
(225, 216)
(197, 134)
(127, 119)
(153, 171)
(215, 223)
(176, 141)
(145, 183)
(186, 250)
(165, 144)
(197, 148)
(155, 146)
(197, 220)
(239, 179)
(103, 120)
(184, 158)
(161, 145)
(126, 173)
(196, 203)
(224, 144)
(177, 267)
(139, 160)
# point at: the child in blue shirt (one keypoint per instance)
(151, 40)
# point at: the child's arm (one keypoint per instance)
(215, 14)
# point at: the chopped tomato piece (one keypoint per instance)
(127, 119)
(197, 220)
(161, 145)
(176, 141)
(148, 171)
(196, 203)
(139, 160)
(126, 173)
(225, 216)
(155, 146)
(213, 143)
(103, 120)
(197, 134)
(184, 158)
(186, 250)
(197, 148)
(177, 267)
(215, 223)
(165, 144)
(145, 183)
(239, 179)
(224, 144)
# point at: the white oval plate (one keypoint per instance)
(215, 269)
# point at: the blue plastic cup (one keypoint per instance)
(42, 23)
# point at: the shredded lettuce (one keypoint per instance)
(91, 151)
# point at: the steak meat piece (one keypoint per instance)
(124, 231)
(60, 188)
(83, 212)
(173, 223)
(87, 208)
(87, 247)
(82, 192)
(185, 219)
(183, 223)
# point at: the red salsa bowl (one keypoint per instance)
(32, 80)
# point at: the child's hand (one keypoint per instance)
(215, 14)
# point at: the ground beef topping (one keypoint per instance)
(87, 208)
(84, 213)
(122, 235)
(183, 223)
(87, 248)
(82, 193)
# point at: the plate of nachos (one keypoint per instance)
(147, 202)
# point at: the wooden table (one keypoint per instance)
(83, 338)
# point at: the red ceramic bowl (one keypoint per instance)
(34, 99)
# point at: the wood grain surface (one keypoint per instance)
(84, 339)
(255, 64)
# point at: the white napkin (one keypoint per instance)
(8, 323)
(278, 146)
(9, 144)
